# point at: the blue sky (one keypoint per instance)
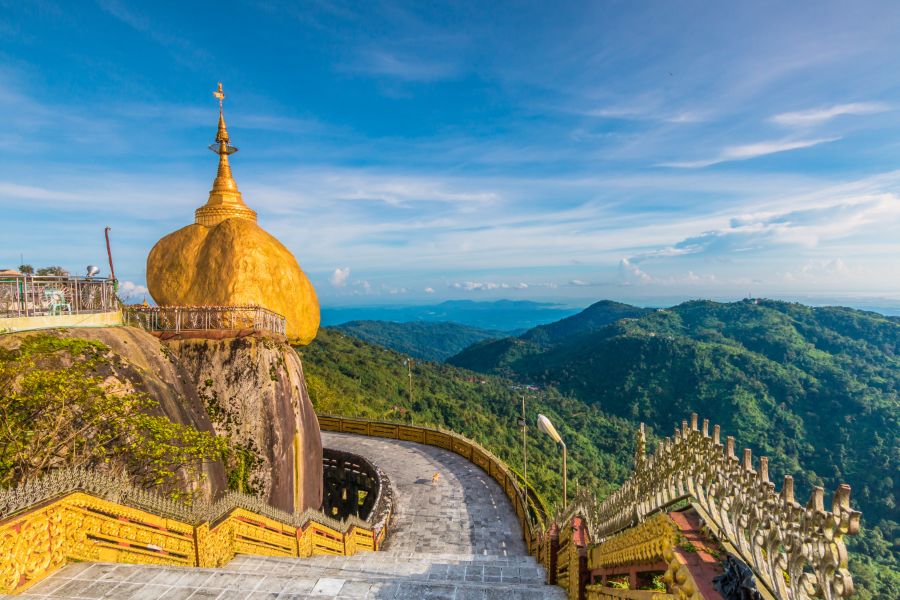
(410, 152)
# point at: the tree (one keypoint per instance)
(59, 409)
(55, 270)
(26, 269)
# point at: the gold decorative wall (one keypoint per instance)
(46, 524)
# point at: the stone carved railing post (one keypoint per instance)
(797, 552)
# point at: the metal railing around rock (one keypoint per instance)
(50, 295)
(187, 319)
(83, 514)
(795, 552)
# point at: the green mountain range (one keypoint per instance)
(420, 339)
(814, 389)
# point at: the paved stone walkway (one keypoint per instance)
(465, 512)
(457, 539)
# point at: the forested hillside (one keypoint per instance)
(814, 389)
(420, 339)
(350, 377)
(666, 361)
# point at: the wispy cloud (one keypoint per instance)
(180, 48)
(471, 172)
(405, 68)
(478, 286)
(638, 113)
(481, 286)
(748, 151)
(816, 116)
(809, 227)
(820, 271)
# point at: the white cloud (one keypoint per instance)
(579, 283)
(340, 276)
(816, 116)
(390, 188)
(631, 273)
(405, 68)
(429, 290)
(28, 192)
(130, 290)
(804, 227)
(478, 286)
(748, 151)
(827, 271)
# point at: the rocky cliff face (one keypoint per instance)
(255, 393)
(250, 390)
(139, 361)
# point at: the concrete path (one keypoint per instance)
(456, 539)
(465, 512)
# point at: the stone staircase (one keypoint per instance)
(457, 539)
(379, 575)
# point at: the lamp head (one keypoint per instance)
(92, 270)
(547, 427)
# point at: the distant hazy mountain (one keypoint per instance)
(502, 315)
(420, 339)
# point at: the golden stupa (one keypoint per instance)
(226, 259)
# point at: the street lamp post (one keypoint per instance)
(409, 372)
(547, 427)
(523, 424)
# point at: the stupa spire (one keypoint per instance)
(225, 200)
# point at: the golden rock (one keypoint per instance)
(226, 259)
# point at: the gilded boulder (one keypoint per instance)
(226, 259)
(235, 262)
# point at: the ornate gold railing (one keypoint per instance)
(651, 543)
(795, 552)
(85, 515)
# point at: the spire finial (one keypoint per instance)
(222, 140)
(220, 95)
(225, 200)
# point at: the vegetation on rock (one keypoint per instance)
(61, 406)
